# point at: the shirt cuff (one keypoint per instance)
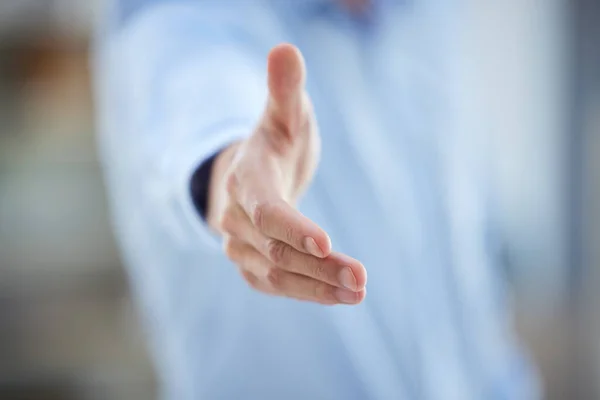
(179, 167)
(200, 185)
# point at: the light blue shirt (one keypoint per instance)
(401, 187)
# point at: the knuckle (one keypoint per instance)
(319, 271)
(289, 233)
(230, 249)
(227, 221)
(258, 215)
(278, 251)
(274, 278)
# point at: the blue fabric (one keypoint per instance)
(401, 187)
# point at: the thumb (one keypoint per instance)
(286, 77)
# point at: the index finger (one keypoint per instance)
(279, 220)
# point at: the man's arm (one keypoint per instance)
(178, 82)
(192, 84)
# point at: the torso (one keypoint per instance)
(396, 190)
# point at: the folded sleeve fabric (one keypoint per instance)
(188, 78)
(200, 185)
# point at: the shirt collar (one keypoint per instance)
(320, 7)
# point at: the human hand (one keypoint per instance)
(254, 186)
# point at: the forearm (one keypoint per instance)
(179, 88)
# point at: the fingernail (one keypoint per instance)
(311, 246)
(347, 279)
(346, 296)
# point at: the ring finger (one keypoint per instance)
(262, 275)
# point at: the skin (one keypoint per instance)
(254, 188)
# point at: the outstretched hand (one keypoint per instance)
(254, 187)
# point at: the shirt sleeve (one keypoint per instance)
(179, 82)
(200, 185)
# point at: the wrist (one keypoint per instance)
(217, 191)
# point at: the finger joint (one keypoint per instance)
(274, 278)
(278, 252)
(258, 215)
(319, 271)
(289, 233)
(230, 248)
(228, 221)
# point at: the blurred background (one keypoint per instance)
(67, 326)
